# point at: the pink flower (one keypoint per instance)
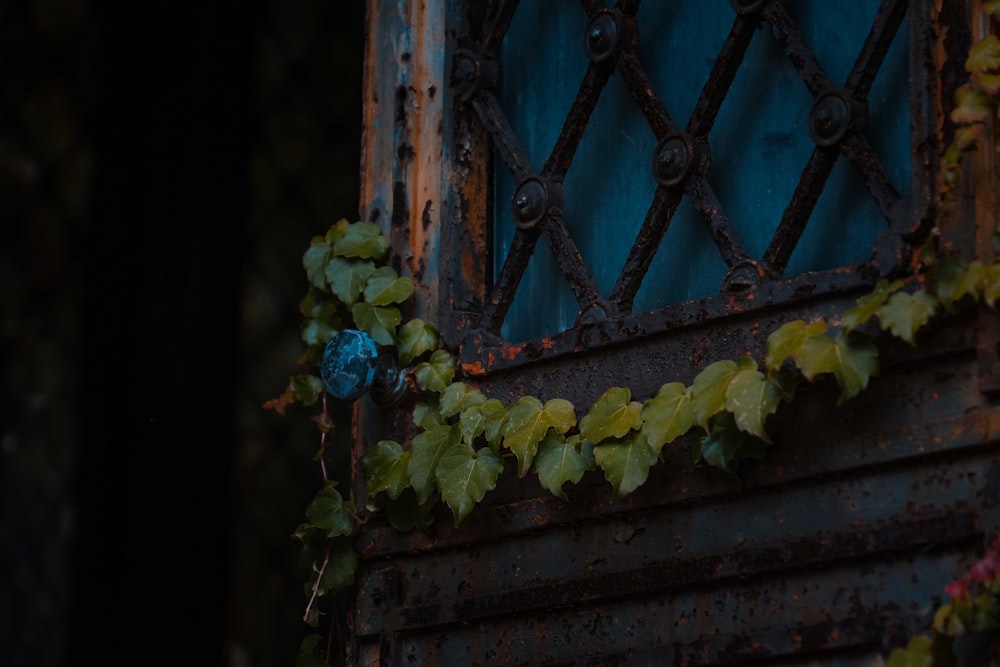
(986, 569)
(957, 589)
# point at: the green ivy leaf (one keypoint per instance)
(612, 416)
(385, 469)
(425, 454)
(328, 511)
(985, 613)
(465, 475)
(560, 460)
(720, 446)
(457, 396)
(957, 278)
(472, 424)
(868, 305)
(317, 332)
(436, 374)
(905, 313)
(340, 570)
(852, 358)
(526, 423)
(787, 341)
(306, 388)
(362, 239)
(314, 261)
(347, 278)
(379, 321)
(427, 416)
(708, 392)
(385, 287)
(668, 415)
(625, 462)
(918, 653)
(751, 397)
(992, 7)
(984, 55)
(406, 514)
(310, 654)
(991, 284)
(971, 105)
(493, 413)
(414, 338)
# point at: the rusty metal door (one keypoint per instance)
(496, 137)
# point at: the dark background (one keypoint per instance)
(163, 165)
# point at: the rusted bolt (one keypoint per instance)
(672, 160)
(532, 199)
(743, 276)
(472, 72)
(832, 115)
(604, 35)
(747, 6)
(592, 314)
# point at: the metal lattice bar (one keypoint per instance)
(661, 211)
(576, 121)
(496, 25)
(887, 21)
(796, 48)
(793, 221)
(504, 139)
(723, 72)
(859, 151)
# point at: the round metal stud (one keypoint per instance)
(743, 276)
(592, 314)
(472, 72)
(603, 36)
(672, 160)
(746, 7)
(830, 118)
(529, 203)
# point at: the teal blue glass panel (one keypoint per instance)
(760, 145)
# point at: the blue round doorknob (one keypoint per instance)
(353, 365)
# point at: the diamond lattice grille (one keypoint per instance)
(682, 168)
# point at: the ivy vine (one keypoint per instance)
(464, 437)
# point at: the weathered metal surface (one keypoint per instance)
(833, 549)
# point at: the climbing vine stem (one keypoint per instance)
(463, 437)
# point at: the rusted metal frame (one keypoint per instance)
(496, 24)
(793, 220)
(950, 525)
(714, 92)
(880, 186)
(479, 355)
(887, 21)
(796, 49)
(647, 243)
(593, 83)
